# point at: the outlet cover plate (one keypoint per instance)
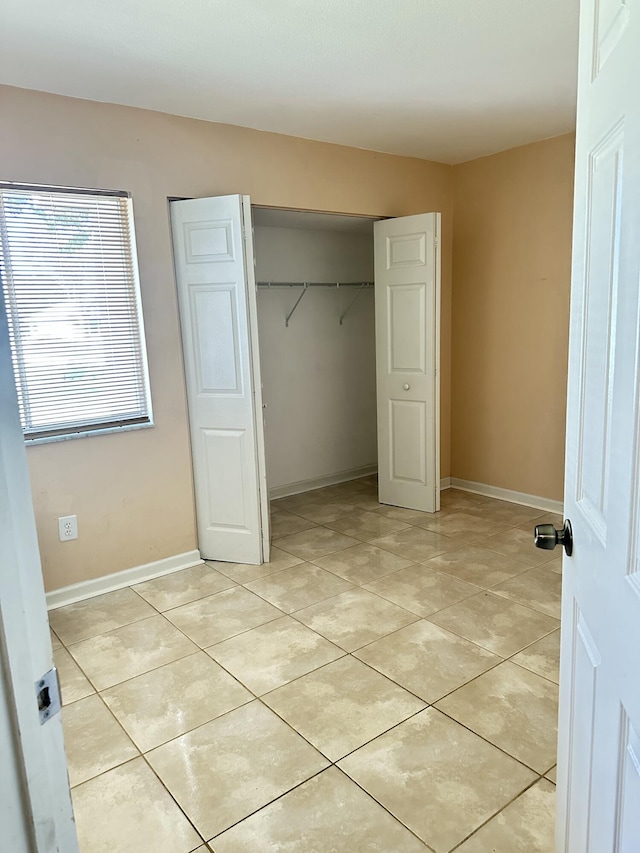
(68, 528)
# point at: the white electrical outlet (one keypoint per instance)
(68, 528)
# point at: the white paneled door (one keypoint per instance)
(213, 253)
(407, 275)
(599, 739)
(35, 803)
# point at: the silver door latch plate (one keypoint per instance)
(48, 695)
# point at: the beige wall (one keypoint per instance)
(132, 492)
(511, 268)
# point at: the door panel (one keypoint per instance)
(628, 794)
(225, 453)
(214, 274)
(407, 441)
(599, 686)
(214, 326)
(407, 332)
(407, 272)
(586, 661)
(599, 329)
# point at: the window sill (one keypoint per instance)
(47, 439)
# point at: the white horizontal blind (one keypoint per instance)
(70, 288)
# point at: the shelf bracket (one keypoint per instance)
(351, 304)
(305, 287)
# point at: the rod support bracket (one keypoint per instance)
(352, 303)
(305, 287)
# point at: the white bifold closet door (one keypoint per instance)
(213, 252)
(407, 276)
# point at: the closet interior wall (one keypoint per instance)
(318, 376)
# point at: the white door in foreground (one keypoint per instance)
(35, 803)
(407, 276)
(213, 253)
(599, 738)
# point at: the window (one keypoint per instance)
(69, 277)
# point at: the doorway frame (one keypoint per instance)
(373, 218)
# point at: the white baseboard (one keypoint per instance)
(320, 482)
(507, 495)
(118, 580)
(445, 483)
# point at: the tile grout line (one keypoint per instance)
(345, 654)
(495, 814)
(495, 745)
(182, 811)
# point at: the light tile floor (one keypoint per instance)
(388, 682)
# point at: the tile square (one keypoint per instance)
(477, 565)
(462, 526)
(182, 587)
(518, 544)
(409, 516)
(362, 563)
(462, 501)
(543, 518)
(245, 572)
(94, 741)
(315, 543)
(160, 705)
(538, 588)
(94, 616)
(354, 618)
(438, 778)
(128, 809)
(339, 492)
(367, 526)
(513, 708)
(327, 814)
(130, 651)
(367, 500)
(421, 590)
(55, 642)
(274, 654)
(497, 624)
(342, 705)
(554, 565)
(298, 587)
(416, 544)
(527, 824)
(427, 660)
(232, 766)
(218, 617)
(291, 503)
(74, 684)
(495, 512)
(326, 511)
(542, 657)
(284, 523)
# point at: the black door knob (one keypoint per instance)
(547, 537)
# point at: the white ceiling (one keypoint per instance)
(445, 80)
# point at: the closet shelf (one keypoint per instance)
(315, 283)
(305, 285)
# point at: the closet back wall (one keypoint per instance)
(318, 376)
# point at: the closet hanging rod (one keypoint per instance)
(315, 284)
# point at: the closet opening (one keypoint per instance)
(316, 329)
(300, 373)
